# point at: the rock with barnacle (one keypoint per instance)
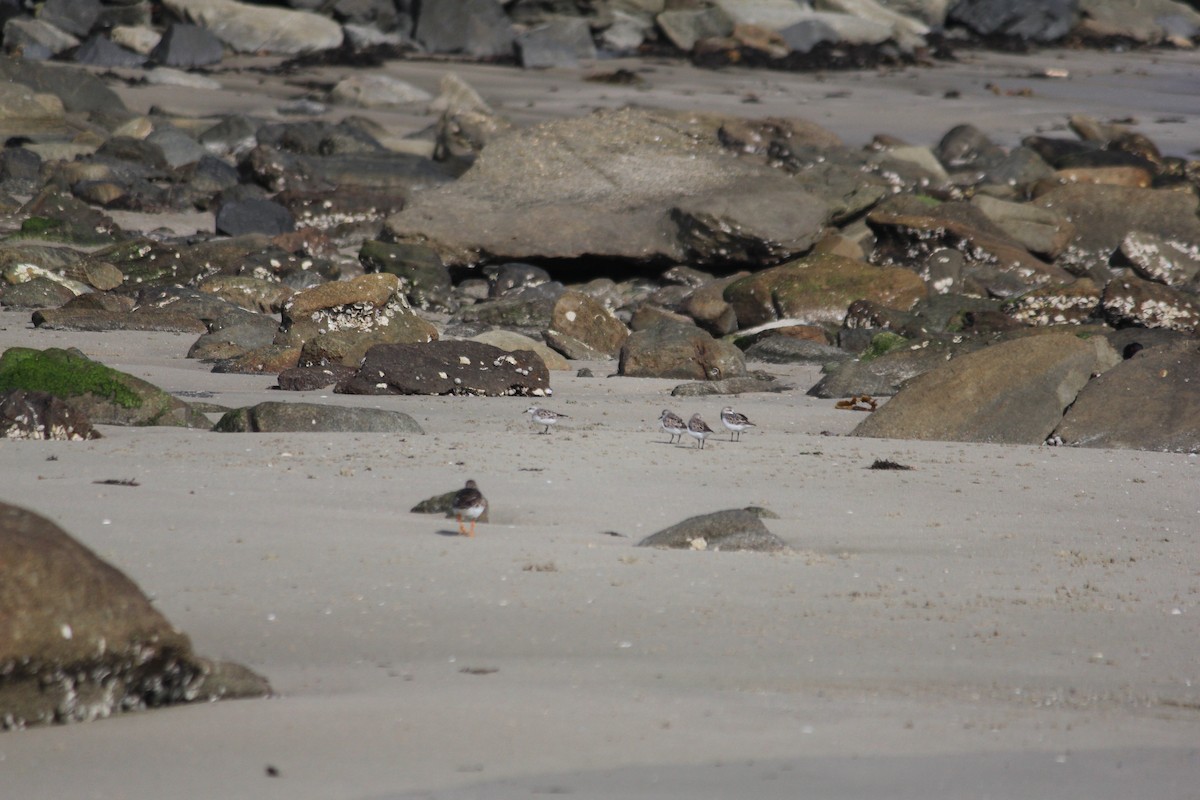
(449, 367)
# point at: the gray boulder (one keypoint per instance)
(276, 417)
(449, 367)
(1035, 20)
(1146, 21)
(247, 28)
(730, 530)
(626, 184)
(476, 28)
(1147, 402)
(79, 640)
(559, 43)
(1011, 393)
(187, 47)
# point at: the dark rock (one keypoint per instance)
(679, 351)
(86, 319)
(1161, 259)
(35, 293)
(253, 294)
(424, 280)
(233, 340)
(20, 170)
(79, 640)
(276, 417)
(883, 375)
(529, 310)
(177, 147)
(53, 216)
(1147, 402)
(975, 398)
(1075, 303)
(449, 367)
(439, 26)
(99, 51)
(40, 415)
(101, 394)
(398, 173)
(1035, 20)
(77, 17)
(78, 89)
(350, 213)
(253, 216)
(513, 277)
(818, 289)
(791, 350)
(559, 43)
(1129, 300)
(967, 147)
(757, 382)
(309, 379)
(731, 530)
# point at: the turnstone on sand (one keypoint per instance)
(544, 416)
(468, 502)
(735, 422)
(698, 429)
(673, 424)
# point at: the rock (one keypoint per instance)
(376, 91)
(1129, 300)
(626, 33)
(449, 367)
(439, 26)
(530, 309)
(100, 51)
(758, 382)
(102, 395)
(1075, 303)
(580, 317)
(510, 341)
(730, 530)
(559, 43)
(791, 350)
(348, 347)
(187, 47)
(77, 17)
(679, 351)
(88, 319)
(883, 375)
(817, 290)
(362, 304)
(24, 112)
(709, 308)
(41, 415)
(56, 217)
(1038, 230)
(40, 292)
(662, 193)
(424, 280)
(75, 87)
(1104, 215)
(34, 38)
(239, 217)
(1147, 402)
(249, 28)
(276, 417)
(79, 640)
(252, 294)
(1034, 20)
(1160, 259)
(830, 28)
(270, 360)
(309, 379)
(1146, 21)
(684, 27)
(229, 341)
(975, 398)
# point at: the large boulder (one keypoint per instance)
(449, 367)
(1011, 393)
(248, 28)
(818, 289)
(41, 415)
(79, 640)
(101, 394)
(625, 184)
(1147, 402)
(733, 529)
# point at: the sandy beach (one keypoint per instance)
(998, 621)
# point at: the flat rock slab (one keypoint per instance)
(624, 184)
(277, 417)
(1011, 393)
(733, 529)
(449, 367)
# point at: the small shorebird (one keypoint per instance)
(544, 416)
(673, 424)
(468, 502)
(698, 429)
(735, 422)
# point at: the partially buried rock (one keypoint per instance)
(276, 417)
(449, 367)
(732, 529)
(308, 379)
(102, 394)
(79, 640)
(1010, 393)
(40, 415)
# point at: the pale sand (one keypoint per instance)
(1004, 622)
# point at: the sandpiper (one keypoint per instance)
(544, 416)
(673, 424)
(698, 429)
(735, 422)
(468, 502)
